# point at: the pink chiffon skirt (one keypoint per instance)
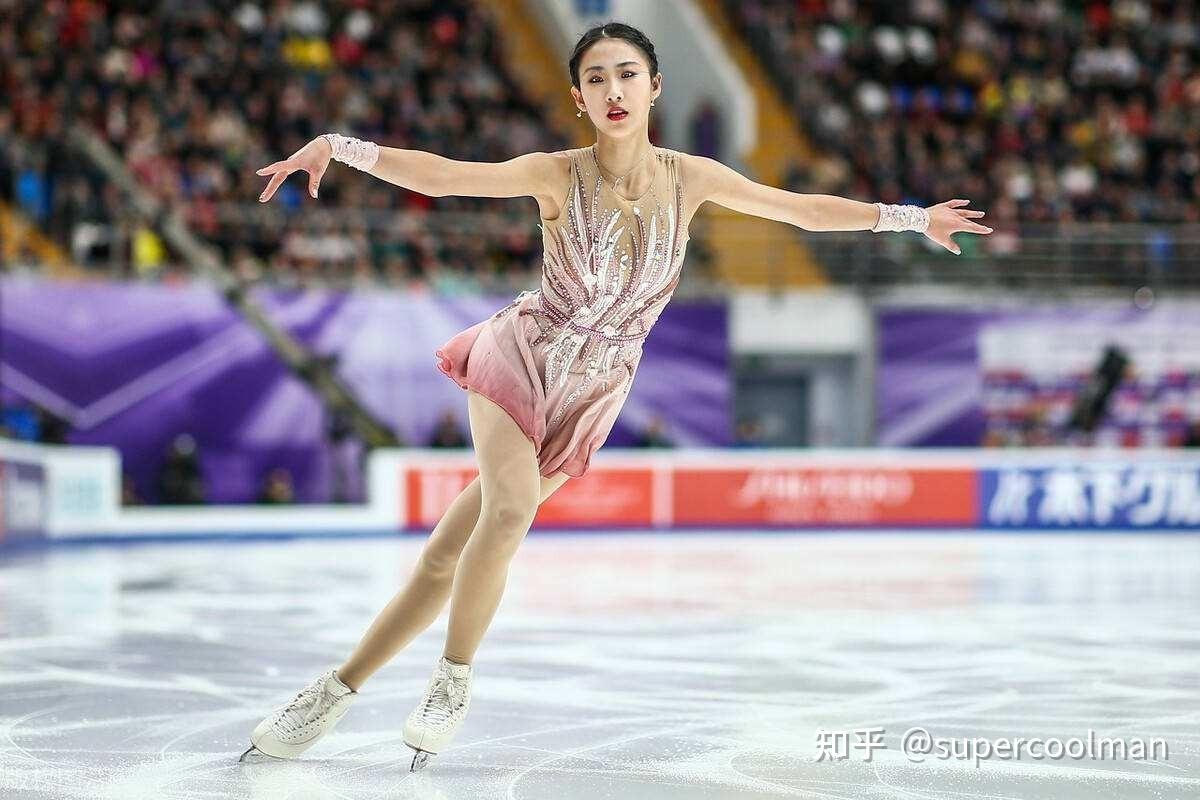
(495, 358)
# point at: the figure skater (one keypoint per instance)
(547, 375)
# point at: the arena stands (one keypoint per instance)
(1047, 109)
(198, 95)
(1047, 114)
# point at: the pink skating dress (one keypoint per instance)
(560, 360)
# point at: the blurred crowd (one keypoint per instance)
(1041, 110)
(198, 94)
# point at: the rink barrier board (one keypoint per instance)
(1159, 491)
(22, 502)
(687, 490)
(1147, 496)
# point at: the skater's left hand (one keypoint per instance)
(313, 158)
(947, 218)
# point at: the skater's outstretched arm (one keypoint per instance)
(822, 212)
(532, 174)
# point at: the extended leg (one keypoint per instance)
(510, 488)
(509, 494)
(417, 605)
(413, 609)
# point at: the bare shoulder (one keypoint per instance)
(701, 173)
(558, 165)
(543, 171)
(702, 179)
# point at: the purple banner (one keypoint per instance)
(1002, 377)
(134, 366)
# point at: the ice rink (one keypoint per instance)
(619, 666)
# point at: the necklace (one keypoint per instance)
(596, 156)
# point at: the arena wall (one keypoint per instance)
(72, 494)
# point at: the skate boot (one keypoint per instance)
(297, 725)
(432, 725)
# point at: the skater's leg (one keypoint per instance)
(417, 605)
(509, 484)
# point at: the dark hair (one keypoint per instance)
(612, 30)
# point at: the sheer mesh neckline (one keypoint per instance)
(649, 187)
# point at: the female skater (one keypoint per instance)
(547, 375)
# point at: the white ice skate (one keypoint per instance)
(433, 724)
(296, 726)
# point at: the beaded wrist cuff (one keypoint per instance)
(353, 152)
(901, 218)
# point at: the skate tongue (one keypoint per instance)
(338, 683)
(457, 670)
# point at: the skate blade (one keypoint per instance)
(255, 756)
(420, 759)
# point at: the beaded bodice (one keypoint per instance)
(610, 267)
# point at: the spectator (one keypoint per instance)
(706, 130)
(52, 429)
(447, 432)
(1067, 112)
(22, 422)
(1193, 435)
(180, 481)
(654, 434)
(197, 95)
(748, 432)
(277, 488)
(129, 492)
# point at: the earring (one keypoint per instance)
(579, 113)
(652, 104)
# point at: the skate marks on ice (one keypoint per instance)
(627, 665)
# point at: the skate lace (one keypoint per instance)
(445, 697)
(303, 708)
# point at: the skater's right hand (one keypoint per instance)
(313, 158)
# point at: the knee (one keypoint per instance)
(438, 562)
(509, 518)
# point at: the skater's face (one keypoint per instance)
(613, 73)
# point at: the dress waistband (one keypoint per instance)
(559, 317)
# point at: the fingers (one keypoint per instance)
(272, 168)
(972, 227)
(964, 214)
(956, 203)
(314, 181)
(950, 244)
(946, 241)
(280, 170)
(276, 180)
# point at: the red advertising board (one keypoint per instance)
(604, 496)
(780, 495)
(429, 491)
(611, 496)
(768, 493)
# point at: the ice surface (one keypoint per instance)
(623, 666)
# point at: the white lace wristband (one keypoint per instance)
(901, 218)
(353, 152)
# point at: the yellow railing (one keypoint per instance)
(771, 258)
(535, 65)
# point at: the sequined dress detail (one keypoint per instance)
(610, 266)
